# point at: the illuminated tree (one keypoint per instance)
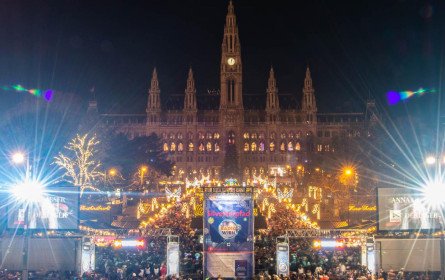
(81, 169)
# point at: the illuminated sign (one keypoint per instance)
(139, 243)
(328, 244)
(95, 208)
(363, 208)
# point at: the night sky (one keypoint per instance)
(354, 48)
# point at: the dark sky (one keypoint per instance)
(352, 47)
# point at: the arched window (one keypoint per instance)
(297, 146)
(172, 147)
(291, 135)
(273, 135)
(261, 147)
(290, 146)
(253, 147)
(201, 147)
(272, 146)
(283, 135)
(190, 136)
(231, 137)
(179, 135)
(200, 135)
(164, 135)
(253, 171)
(299, 134)
(209, 135)
(171, 135)
(209, 147)
(165, 147)
(261, 135)
(254, 135)
(246, 135)
(216, 147)
(261, 170)
(283, 147)
(246, 147)
(246, 171)
(180, 147)
(216, 135)
(190, 147)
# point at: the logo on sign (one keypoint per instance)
(228, 229)
(283, 267)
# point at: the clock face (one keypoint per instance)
(231, 61)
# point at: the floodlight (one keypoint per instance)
(430, 160)
(434, 194)
(28, 191)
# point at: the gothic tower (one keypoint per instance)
(272, 102)
(231, 68)
(309, 106)
(190, 108)
(154, 103)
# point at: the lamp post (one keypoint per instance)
(439, 187)
(143, 170)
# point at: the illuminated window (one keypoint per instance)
(319, 148)
(261, 147)
(209, 147)
(291, 135)
(273, 135)
(180, 147)
(172, 147)
(253, 147)
(297, 146)
(246, 171)
(200, 135)
(171, 135)
(246, 135)
(190, 147)
(253, 135)
(216, 147)
(165, 147)
(216, 135)
(261, 170)
(179, 135)
(282, 146)
(209, 135)
(253, 171)
(290, 146)
(326, 148)
(246, 147)
(201, 147)
(261, 135)
(283, 135)
(272, 146)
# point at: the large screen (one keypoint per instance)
(58, 209)
(402, 209)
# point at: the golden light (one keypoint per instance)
(348, 171)
(143, 169)
(299, 167)
(112, 172)
(317, 169)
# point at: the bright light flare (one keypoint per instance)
(430, 160)
(28, 191)
(434, 194)
(18, 158)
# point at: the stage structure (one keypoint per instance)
(228, 232)
(282, 256)
(172, 255)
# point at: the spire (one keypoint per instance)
(154, 98)
(190, 93)
(309, 105)
(308, 79)
(272, 102)
(230, 18)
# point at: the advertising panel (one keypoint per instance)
(58, 209)
(282, 259)
(228, 236)
(172, 258)
(402, 209)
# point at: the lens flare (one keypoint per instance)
(394, 97)
(36, 92)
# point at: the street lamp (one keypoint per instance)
(143, 170)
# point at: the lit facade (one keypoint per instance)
(275, 137)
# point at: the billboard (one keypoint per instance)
(283, 259)
(58, 209)
(401, 209)
(228, 236)
(173, 258)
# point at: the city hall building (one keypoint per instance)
(271, 140)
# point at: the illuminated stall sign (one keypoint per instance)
(95, 208)
(283, 259)
(228, 236)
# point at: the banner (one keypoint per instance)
(58, 209)
(228, 236)
(173, 258)
(282, 259)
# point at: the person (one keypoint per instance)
(400, 274)
(163, 270)
(391, 275)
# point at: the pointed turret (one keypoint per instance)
(309, 106)
(190, 94)
(272, 102)
(154, 98)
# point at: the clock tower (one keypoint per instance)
(231, 68)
